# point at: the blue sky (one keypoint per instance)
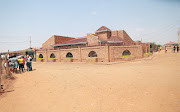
(147, 20)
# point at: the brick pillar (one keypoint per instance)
(141, 51)
(80, 55)
(46, 57)
(107, 53)
(59, 54)
(110, 54)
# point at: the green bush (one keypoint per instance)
(147, 53)
(127, 56)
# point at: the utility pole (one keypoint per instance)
(179, 37)
(30, 42)
(0, 69)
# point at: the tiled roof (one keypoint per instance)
(103, 28)
(171, 43)
(75, 40)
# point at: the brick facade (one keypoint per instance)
(104, 53)
(55, 40)
(108, 45)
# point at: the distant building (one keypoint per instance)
(170, 45)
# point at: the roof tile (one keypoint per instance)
(102, 28)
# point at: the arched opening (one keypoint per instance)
(52, 55)
(69, 55)
(126, 52)
(40, 56)
(92, 54)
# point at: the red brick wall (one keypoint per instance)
(115, 52)
(46, 45)
(105, 53)
(92, 40)
(123, 35)
(102, 53)
(55, 40)
(104, 35)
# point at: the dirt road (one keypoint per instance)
(141, 86)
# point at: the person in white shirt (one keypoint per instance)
(29, 63)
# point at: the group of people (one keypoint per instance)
(174, 49)
(15, 63)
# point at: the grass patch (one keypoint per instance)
(92, 57)
(69, 57)
(40, 58)
(127, 56)
(147, 53)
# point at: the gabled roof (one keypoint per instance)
(171, 43)
(75, 41)
(103, 29)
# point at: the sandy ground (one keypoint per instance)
(140, 86)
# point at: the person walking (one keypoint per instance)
(165, 49)
(174, 48)
(177, 49)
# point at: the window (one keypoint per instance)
(126, 52)
(40, 56)
(92, 54)
(69, 55)
(52, 55)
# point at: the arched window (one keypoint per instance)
(126, 52)
(52, 55)
(69, 55)
(92, 54)
(40, 56)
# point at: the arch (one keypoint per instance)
(52, 55)
(126, 52)
(69, 55)
(40, 56)
(92, 54)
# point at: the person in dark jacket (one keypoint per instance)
(177, 48)
(174, 48)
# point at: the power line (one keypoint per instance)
(157, 31)
(161, 35)
(155, 35)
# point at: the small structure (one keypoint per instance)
(31, 52)
(170, 45)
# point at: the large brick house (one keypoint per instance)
(103, 36)
(106, 45)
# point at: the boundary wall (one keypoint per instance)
(104, 54)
